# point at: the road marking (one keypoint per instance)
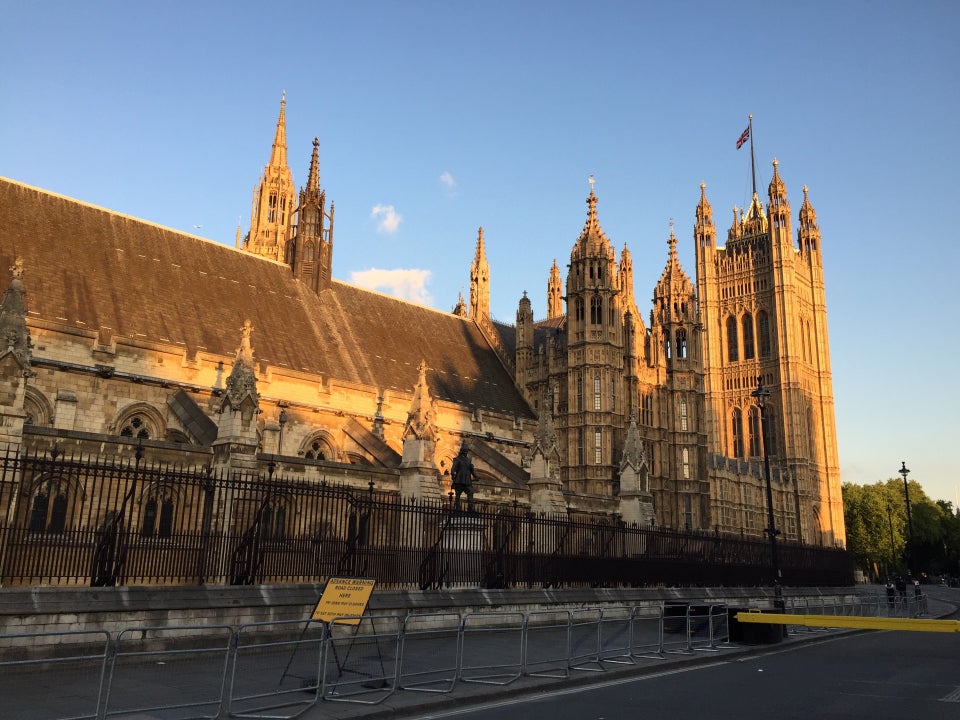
(535, 697)
(952, 697)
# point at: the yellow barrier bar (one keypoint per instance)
(850, 621)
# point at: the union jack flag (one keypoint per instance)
(744, 136)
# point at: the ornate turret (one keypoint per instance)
(554, 293)
(808, 235)
(14, 336)
(546, 490)
(636, 501)
(418, 473)
(480, 282)
(236, 443)
(779, 208)
(704, 230)
(15, 355)
(271, 217)
(625, 281)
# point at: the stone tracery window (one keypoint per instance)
(135, 427)
(733, 348)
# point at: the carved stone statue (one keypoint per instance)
(463, 476)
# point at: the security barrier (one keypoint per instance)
(75, 665)
(276, 669)
(362, 658)
(491, 647)
(547, 643)
(193, 658)
(282, 669)
(430, 652)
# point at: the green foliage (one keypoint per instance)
(877, 529)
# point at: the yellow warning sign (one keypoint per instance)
(344, 597)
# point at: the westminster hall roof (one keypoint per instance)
(90, 269)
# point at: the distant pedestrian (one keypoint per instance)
(891, 593)
(916, 588)
(901, 586)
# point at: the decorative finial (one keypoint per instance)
(283, 96)
(17, 268)
(316, 142)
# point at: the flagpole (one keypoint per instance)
(753, 164)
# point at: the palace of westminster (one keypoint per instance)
(122, 334)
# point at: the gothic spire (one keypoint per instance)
(480, 281)
(313, 177)
(278, 155)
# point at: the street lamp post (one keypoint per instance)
(761, 394)
(906, 494)
(893, 558)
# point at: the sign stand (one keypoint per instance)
(345, 597)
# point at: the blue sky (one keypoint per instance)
(440, 117)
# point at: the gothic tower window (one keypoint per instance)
(272, 208)
(681, 343)
(596, 310)
(748, 337)
(273, 521)
(687, 512)
(685, 463)
(597, 447)
(646, 412)
(579, 393)
(581, 458)
(578, 308)
(756, 438)
(596, 390)
(683, 414)
(733, 349)
(737, 428)
(763, 325)
(613, 394)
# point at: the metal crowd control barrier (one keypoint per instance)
(144, 657)
(646, 632)
(362, 658)
(73, 662)
(546, 644)
(276, 669)
(676, 628)
(430, 652)
(585, 626)
(482, 658)
(615, 635)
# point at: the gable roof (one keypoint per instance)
(89, 268)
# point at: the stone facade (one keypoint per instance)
(120, 332)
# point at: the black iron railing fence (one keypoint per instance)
(96, 521)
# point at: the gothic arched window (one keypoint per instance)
(748, 337)
(48, 512)
(756, 436)
(733, 349)
(737, 428)
(763, 327)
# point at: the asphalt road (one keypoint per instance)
(871, 675)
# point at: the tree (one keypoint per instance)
(877, 532)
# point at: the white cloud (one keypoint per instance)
(389, 218)
(448, 182)
(405, 284)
